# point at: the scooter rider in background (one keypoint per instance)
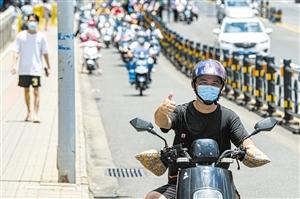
(154, 31)
(91, 32)
(134, 49)
(203, 117)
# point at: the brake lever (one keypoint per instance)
(237, 161)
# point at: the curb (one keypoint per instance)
(81, 168)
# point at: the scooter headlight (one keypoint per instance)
(207, 193)
(150, 60)
(90, 62)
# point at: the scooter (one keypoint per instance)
(107, 36)
(188, 14)
(91, 55)
(200, 175)
(142, 73)
(141, 78)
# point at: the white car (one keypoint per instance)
(233, 9)
(245, 35)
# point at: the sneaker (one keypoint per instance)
(36, 119)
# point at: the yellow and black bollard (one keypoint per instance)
(198, 52)
(296, 91)
(227, 65)
(278, 16)
(236, 69)
(271, 82)
(205, 52)
(247, 79)
(218, 54)
(287, 84)
(259, 81)
(211, 52)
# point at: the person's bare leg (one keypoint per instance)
(36, 94)
(27, 102)
(46, 24)
(154, 195)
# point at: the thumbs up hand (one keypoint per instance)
(168, 105)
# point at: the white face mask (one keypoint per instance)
(32, 25)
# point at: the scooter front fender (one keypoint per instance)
(211, 181)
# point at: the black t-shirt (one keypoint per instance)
(222, 125)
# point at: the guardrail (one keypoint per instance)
(254, 82)
(6, 29)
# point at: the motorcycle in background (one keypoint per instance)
(141, 78)
(107, 34)
(143, 64)
(188, 14)
(91, 55)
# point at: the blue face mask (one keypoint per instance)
(209, 94)
(32, 25)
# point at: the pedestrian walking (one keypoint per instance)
(30, 45)
(47, 13)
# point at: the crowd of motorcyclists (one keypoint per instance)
(110, 24)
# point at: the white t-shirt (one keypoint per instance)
(31, 48)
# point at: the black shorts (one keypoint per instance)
(168, 190)
(27, 80)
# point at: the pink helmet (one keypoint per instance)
(91, 23)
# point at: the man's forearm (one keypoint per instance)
(15, 59)
(46, 57)
(162, 120)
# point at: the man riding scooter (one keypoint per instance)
(141, 45)
(201, 118)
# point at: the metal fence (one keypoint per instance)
(254, 82)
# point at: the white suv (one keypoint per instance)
(245, 35)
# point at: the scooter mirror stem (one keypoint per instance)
(154, 133)
(254, 133)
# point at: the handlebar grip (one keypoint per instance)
(241, 155)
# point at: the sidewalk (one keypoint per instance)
(29, 150)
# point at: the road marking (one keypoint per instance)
(290, 27)
(287, 26)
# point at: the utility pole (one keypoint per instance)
(66, 93)
(169, 10)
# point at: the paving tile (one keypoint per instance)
(29, 156)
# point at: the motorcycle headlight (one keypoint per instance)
(150, 60)
(207, 193)
(90, 62)
(141, 70)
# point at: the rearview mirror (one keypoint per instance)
(216, 31)
(266, 124)
(141, 125)
(268, 30)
